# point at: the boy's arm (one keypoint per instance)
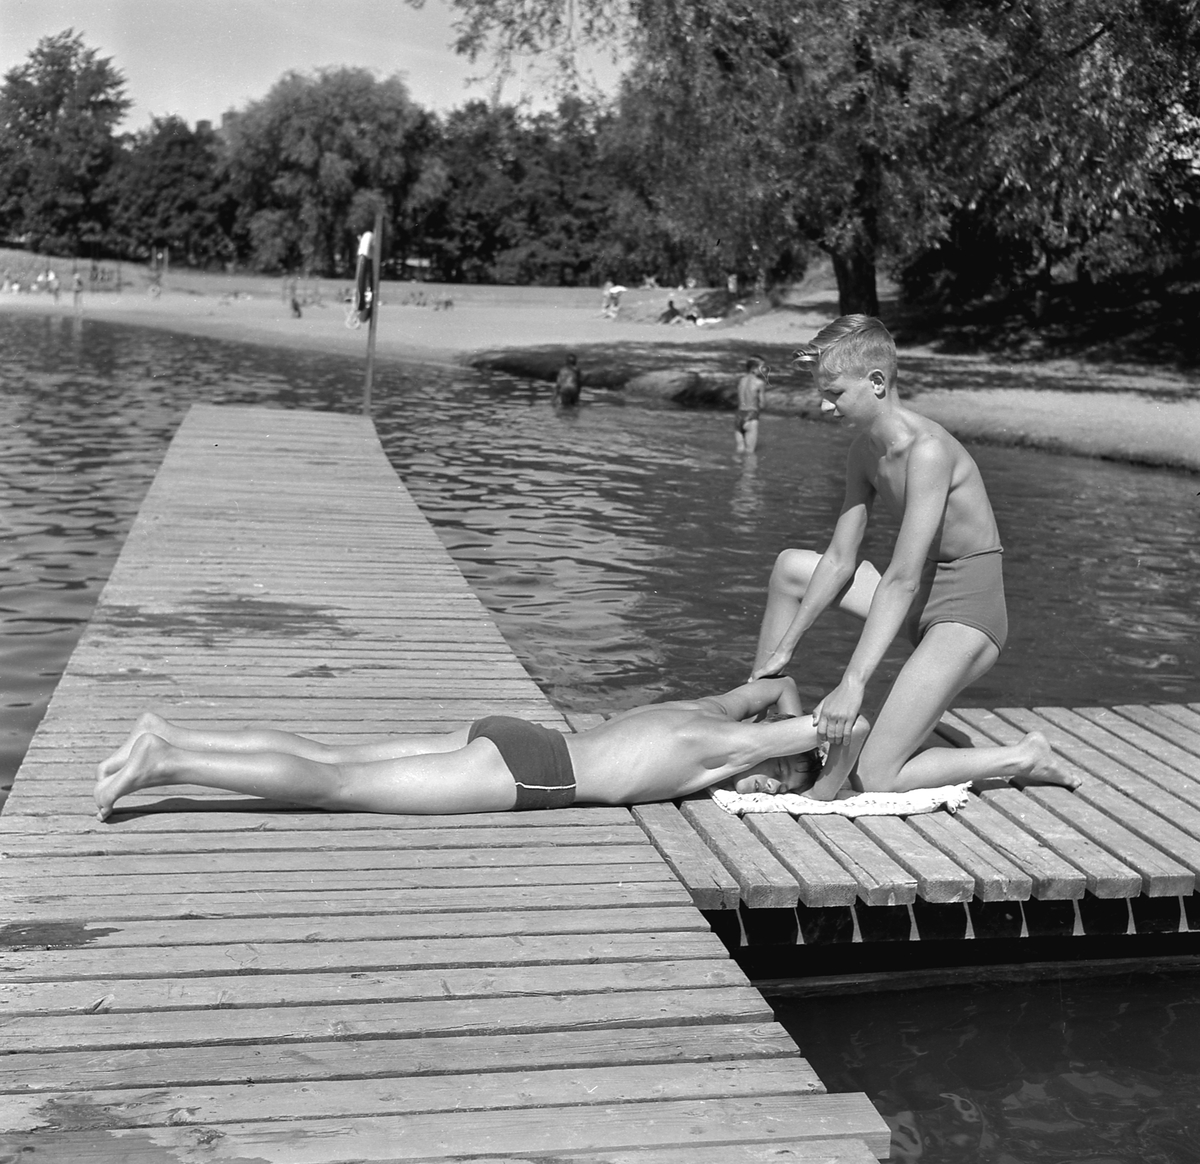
(927, 485)
(834, 570)
(753, 699)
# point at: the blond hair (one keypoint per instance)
(851, 343)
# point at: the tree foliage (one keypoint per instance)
(873, 129)
(311, 162)
(527, 198)
(58, 114)
(166, 189)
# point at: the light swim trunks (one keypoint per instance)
(537, 757)
(969, 590)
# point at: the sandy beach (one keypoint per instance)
(1129, 414)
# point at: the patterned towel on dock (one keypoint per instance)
(951, 797)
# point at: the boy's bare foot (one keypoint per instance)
(1043, 765)
(141, 770)
(147, 722)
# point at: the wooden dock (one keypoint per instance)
(210, 977)
(1116, 858)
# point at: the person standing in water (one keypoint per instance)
(752, 396)
(569, 382)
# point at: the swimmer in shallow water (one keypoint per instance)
(651, 753)
(752, 396)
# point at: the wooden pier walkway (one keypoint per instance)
(211, 978)
(1116, 858)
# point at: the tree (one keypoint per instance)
(311, 162)
(527, 199)
(166, 189)
(864, 127)
(58, 113)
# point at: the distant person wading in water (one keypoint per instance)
(568, 383)
(752, 396)
(943, 586)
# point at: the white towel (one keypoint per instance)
(951, 797)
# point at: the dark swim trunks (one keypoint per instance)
(537, 757)
(969, 590)
(744, 417)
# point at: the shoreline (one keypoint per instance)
(1132, 414)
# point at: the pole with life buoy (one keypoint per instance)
(372, 304)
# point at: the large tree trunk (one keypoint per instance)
(855, 271)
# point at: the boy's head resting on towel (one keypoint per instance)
(777, 775)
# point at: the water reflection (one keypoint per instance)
(1103, 1070)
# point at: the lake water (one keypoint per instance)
(623, 550)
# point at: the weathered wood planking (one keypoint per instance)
(213, 973)
(1131, 831)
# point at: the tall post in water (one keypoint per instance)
(376, 255)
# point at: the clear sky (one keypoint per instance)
(197, 58)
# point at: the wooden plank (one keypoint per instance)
(822, 880)
(1181, 759)
(1159, 819)
(628, 862)
(939, 880)
(1106, 876)
(35, 906)
(92, 990)
(1101, 816)
(339, 925)
(996, 877)
(1053, 877)
(413, 1019)
(508, 1132)
(68, 1146)
(562, 950)
(91, 884)
(711, 885)
(1169, 727)
(1188, 715)
(1131, 757)
(661, 1047)
(762, 881)
(585, 1087)
(880, 878)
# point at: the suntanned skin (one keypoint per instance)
(752, 393)
(930, 483)
(657, 752)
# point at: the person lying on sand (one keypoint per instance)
(655, 752)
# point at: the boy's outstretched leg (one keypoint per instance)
(472, 778)
(788, 584)
(263, 739)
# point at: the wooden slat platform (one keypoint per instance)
(1129, 835)
(212, 977)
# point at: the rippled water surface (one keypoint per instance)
(623, 550)
(1098, 1071)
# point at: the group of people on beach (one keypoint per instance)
(943, 589)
